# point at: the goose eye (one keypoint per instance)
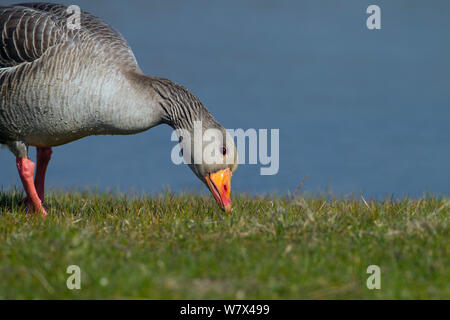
(223, 150)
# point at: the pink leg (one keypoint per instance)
(26, 170)
(43, 158)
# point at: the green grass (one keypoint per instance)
(178, 247)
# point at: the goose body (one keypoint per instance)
(58, 85)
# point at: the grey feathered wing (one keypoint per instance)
(28, 30)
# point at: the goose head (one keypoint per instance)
(211, 154)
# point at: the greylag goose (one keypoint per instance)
(59, 84)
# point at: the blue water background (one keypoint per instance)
(359, 111)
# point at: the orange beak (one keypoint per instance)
(220, 185)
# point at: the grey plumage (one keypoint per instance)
(58, 85)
